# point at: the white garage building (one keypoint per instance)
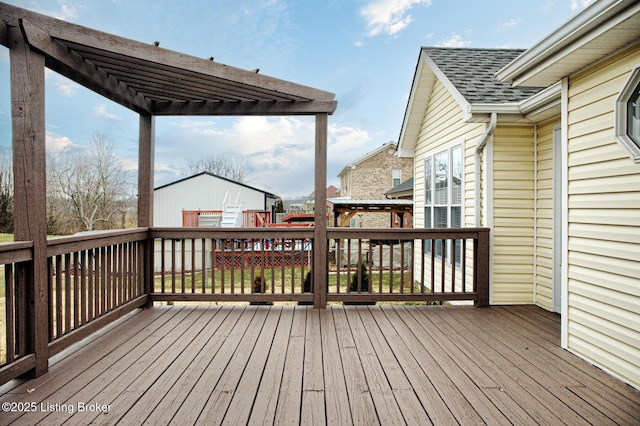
(205, 191)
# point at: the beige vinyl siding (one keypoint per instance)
(513, 212)
(544, 214)
(604, 224)
(442, 127)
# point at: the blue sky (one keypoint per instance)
(365, 51)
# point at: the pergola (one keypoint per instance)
(147, 79)
(347, 209)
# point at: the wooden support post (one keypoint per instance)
(30, 191)
(146, 159)
(320, 243)
(481, 257)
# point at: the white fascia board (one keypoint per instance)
(453, 90)
(405, 147)
(547, 98)
(565, 40)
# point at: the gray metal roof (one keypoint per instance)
(472, 72)
(407, 185)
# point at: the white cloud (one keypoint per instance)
(67, 11)
(580, 4)
(455, 40)
(505, 26)
(101, 111)
(56, 143)
(389, 16)
(63, 86)
(279, 150)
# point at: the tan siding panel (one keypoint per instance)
(610, 216)
(604, 224)
(604, 185)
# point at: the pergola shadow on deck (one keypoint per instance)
(385, 364)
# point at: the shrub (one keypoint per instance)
(364, 284)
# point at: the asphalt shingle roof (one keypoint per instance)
(472, 72)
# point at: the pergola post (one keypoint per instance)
(320, 243)
(146, 157)
(30, 191)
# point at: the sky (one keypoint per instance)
(364, 51)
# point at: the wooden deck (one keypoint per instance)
(390, 364)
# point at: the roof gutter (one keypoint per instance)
(488, 133)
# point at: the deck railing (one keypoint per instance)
(411, 265)
(15, 353)
(97, 278)
(90, 277)
(92, 280)
(363, 265)
(258, 265)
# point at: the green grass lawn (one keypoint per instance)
(6, 238)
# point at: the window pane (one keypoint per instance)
(633, 116)
(456, 175)
(456, 222)
(440, 218)
(441, 196)
(427, 217)
(397, 177)
(426, 244)
(427, 182)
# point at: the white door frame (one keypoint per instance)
(557, 221)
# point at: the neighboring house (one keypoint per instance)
(403, 191)
(551, 163)
(370, 177)
(205, 191)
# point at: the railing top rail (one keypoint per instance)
(61, 245)
(239, 233)
(19, 251)
(16, 245)
(405, 233)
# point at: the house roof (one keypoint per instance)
(600, 29)
(149, 79)
(388, 145)
(268, 194)
(406, 186)
(469, 76)
(471, 72)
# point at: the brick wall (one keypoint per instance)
(371, 178)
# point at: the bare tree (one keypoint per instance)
(91, 182)
(6, 191)
(232, 167)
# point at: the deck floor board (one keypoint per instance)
(388, 364)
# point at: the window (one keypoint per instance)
(627, 116)
(443, 195)
(397, 177)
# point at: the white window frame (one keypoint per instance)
(430, 204)
(631, 147)
(395, 172)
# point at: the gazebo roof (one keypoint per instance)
(149, 79)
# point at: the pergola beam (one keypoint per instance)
(72, 65)
(243, 108)
(157, 56)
